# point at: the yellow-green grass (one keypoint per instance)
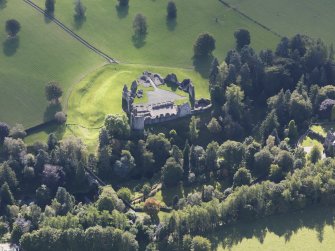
(319, 129)
(100, 94)
(309, 142)
(309, 230)
(41, 53)
(167, 43)
(287, 17)
(144, 98)
(175, 90)
(323, 129)
(88, 136)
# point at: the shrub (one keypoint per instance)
(151, 207)
(60, 117)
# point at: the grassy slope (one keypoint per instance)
(112, 31)
(44, 53)
(309, 230)
(287, 17)
(100, 93)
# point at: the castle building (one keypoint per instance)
(141, 115)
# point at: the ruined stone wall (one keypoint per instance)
(137, 122)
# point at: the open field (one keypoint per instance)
(313, 18)
(167, 43)
(309, 230)
(41, 53)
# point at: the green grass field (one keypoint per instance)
(309, 230)
(167, 44)
(42, 53)
(313, 18)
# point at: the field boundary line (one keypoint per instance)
(72, 33)
(251, 19)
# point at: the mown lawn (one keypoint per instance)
(41, 53)
(167, 43)
(287, 17)
(309, 230)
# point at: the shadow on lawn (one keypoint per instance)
(48, 16)
(3, 4)
(78, 21)
(315, 218)
(202, 64)
(51, 110)
(171, 23)
(138, 41)
(11, 45)
(122, 11)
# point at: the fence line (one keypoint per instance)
(72, 33)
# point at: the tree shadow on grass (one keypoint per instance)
(3, 4)
(122, 11)
(11, 45)
(285, 225)
(48, 16)
(50, 111)
(202, 64)
(78, 21)
(171, 23)
(138, 40)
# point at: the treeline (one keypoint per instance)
(272, 96)
(312, 184)
(292, 81)
(94, 238)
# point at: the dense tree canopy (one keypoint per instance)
(242, 37)
(204, 45)
(140, 25)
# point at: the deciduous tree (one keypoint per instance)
(140, 25)
(242, 37)
(171, 10)
(204, 45)
(12, 27)
(53, 92)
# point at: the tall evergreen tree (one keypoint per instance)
(186, 158)
(214, 71)
(6, 196)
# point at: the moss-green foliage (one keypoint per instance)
(308, 142)
(42, 53)
(312, 15)
(109, 28)
(323, 128)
